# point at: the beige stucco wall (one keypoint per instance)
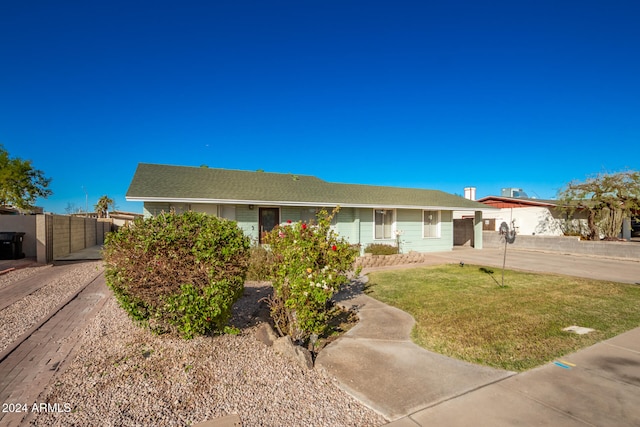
(23, 224)
(56, 237)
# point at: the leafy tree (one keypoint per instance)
(103, 205)
(607, 199)
(20, 183)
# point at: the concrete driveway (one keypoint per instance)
(612, 269)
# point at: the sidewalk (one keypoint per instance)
(598, 386)
(377, 363)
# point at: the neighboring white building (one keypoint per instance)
(530, 216)
(120, 218)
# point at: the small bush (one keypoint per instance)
(261, 262)
(380, 249)
(178, 273)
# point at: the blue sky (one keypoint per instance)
(439, 95)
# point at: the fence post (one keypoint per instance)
(41, 239)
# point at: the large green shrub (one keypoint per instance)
(178, 273)
(310, 264)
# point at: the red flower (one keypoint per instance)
(288, 221)
(304, 226)
(334, 248)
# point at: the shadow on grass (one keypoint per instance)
(490, 273)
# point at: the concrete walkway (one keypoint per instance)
(377, 363)
(92, 253)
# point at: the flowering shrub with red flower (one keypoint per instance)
(311, 263)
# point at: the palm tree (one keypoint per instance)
(102, 207)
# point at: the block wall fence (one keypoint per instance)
(566, 245)
(48, 237)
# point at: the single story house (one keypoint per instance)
(421, 220)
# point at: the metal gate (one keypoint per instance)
(463, 233)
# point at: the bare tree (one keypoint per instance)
(71, 208)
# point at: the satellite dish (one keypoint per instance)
(508, 233)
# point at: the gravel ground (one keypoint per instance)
(19, 274)
(21, 316)
(123, 375)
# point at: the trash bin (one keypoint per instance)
(11, 245)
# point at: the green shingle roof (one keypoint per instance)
(153, 182)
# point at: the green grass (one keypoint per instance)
(462, 312)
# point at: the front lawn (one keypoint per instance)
(462, 312)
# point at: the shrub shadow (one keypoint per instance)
(252, 308)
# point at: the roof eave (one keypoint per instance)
(530, 202)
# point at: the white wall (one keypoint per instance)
(528, 221)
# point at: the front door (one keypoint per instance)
(269, 218)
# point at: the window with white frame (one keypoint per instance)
(431, 224)
(383, 219)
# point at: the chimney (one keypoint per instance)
(470, 193)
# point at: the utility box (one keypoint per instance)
(11, 245)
